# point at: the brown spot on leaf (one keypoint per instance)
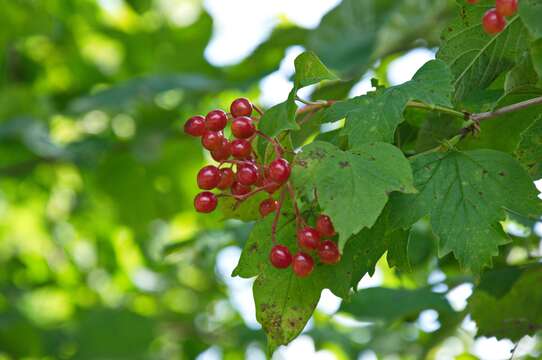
(502, 173)
(344, 164)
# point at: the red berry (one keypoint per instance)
(328, 252)
(216, 120)
(270, 185)
(280, 257)
(241, 107)
(308, 238)
(493, 22)
(195, 126)
(208, 177)
(247, 174)
(325, 226)
(205, 202)
(241, 148)
(279, 170)
(212, 140)
(226, 178)
(223, 152)
(506, 7)
(239, 189)
(302, 264)
(472, 1)
(243, 127)
(268, 206)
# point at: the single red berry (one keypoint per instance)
(226, 178)
(325, 226)
(195, 126)
(239, 189)
(241, 107)
(268, 206)
(223, 152)
(280, 257)
(506, 7)
(247, 174)
(212, 140)
(279, 170)
(242, 127)
(241, 148)
(493, 22)
(205, 202)
(308, 238)
(270, 185)
(208, 177)
(302, 264)
(216, 120)
(328, 252)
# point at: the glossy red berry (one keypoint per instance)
(328, 252)
(205, 202)
(308, 238)
(268, 206)
(493, 22)
(247, 174)
(241, 107)
(325, 226)
(271, 186)
(227, 178)
(506, 7)
(279, 170)
(208, 177)
(212, 140)
(216, 120)
(280, 257)
(223, 152)
(195, 126)
(239, 189)
(302, 264)
(241, 148)
(242, 127)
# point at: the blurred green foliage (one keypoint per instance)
(101, 253)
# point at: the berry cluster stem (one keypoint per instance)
(277, 216)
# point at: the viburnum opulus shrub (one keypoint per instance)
(328, 205)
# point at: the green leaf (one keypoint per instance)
(513, 315)
(352, 186)
(389, 305)
(523, 74)
(356, 33)
(466, 194)
(498, 282)
(398, 251)
(437, 128)
(529, 151)
(476, 58)
(310, 70)
(536, 57)
(530, 12)
(247, 210)
(512, 124)
(278, 118)
(375, 116)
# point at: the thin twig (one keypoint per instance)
(276, 218)
(506, 109)
(298, 219)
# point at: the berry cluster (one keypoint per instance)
(494, 20)
(240, 175)
(308, 239)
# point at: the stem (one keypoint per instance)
(276, 218)
(298, 219)
(442, 109)
(258, 110)
(506, 109)
(307, 102)
(315, 107)
(241, 198)
(278, 148)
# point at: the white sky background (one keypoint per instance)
(239, 27)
